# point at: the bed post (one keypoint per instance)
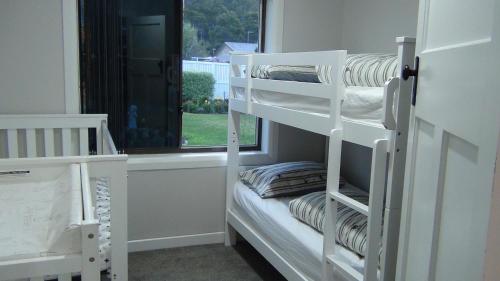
(397, 159)
(233, 150)
(333, 155)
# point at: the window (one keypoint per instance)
(160, 70)
(211, 30)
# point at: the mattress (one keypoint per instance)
(360, 103)
(29, 214)
(299, 244)
(40, 212)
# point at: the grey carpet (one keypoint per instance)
(202, 263)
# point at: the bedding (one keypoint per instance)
(285, 179)
(351, 225)
(104, 215)
(363, 70)
(360, 103)
(293, 73)
(299, 244)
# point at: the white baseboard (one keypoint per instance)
(176, 241)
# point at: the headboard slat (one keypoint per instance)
(66, 142)
(31, 142)
(48, 139)
(84, 141)
(12, 144)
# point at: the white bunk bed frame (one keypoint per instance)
(388, 142)
(33, 141)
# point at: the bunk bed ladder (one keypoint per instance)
(374, 212)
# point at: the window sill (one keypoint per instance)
(176, 161)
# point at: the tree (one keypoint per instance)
(218, 21)
(227, 27)
(191, 45)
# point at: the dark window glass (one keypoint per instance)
(132, 53)
(131, 65)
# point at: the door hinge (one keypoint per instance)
(409, 72)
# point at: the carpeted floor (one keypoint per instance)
(202, 263)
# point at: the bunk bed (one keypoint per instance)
(294, 248)
(37, 151)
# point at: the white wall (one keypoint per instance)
(312, 25)
(370, 26)
(168, 203)
(31, 57)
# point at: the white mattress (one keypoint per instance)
(29, 202)
(299, 244)
(40, 212)
(360, 103)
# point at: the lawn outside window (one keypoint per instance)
(210, 33)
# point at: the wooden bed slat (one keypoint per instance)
(66, 142)
(84, 141)
(12, 143)
(48, 139)
(31, 142)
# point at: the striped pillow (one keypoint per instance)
(369, 70)
(351, 226)
(260, 71)
(286, 179)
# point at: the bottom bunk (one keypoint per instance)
(293, 247)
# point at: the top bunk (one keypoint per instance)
(325, 90)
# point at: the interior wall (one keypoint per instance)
(169, 203)
(312, 25)
(31, 57)
(370, 26)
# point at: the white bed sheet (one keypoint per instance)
(299, 244)
(360, 103)
(40, 212)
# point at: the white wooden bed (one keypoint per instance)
(31, 142)
(387, 139)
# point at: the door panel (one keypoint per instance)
(453, 143)
(462, 225)
(457, 25)
(420, 251)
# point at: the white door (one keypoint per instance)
(452, 150)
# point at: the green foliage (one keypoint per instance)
(197, 87)
(218, 21)
(191, 45)
(227, 27)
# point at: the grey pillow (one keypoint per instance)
(305, 73)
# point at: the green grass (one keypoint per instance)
(211, 129)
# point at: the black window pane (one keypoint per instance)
(131, 52)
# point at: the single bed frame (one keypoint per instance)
(388, 141)
(63, 139)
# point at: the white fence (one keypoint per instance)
(219, 70)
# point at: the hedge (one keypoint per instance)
(197, 87)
